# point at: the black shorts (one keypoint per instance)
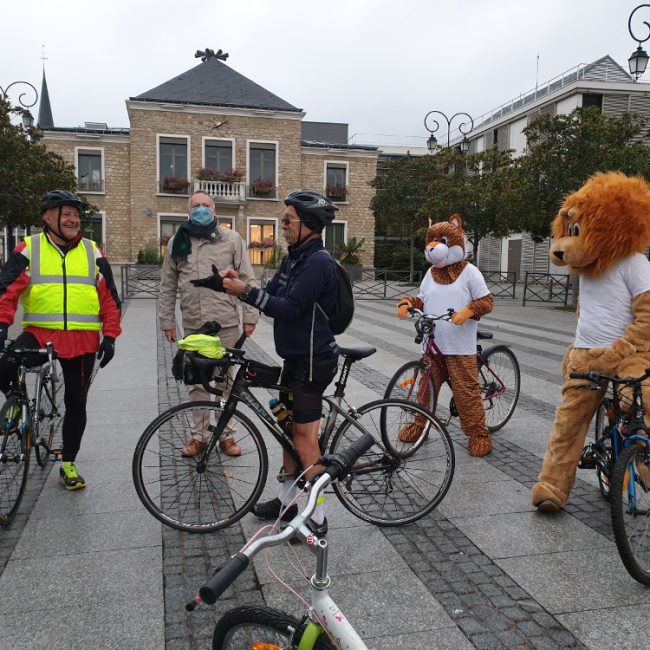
(305, 398)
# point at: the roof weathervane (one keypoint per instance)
(206, 54)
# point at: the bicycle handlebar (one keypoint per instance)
(596, 377)
(21, 353)
(426, 323)
(337, 467)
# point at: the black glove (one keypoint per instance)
(106, 350)
(214, 282)
(4, 331)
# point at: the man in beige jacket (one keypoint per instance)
(199, 244)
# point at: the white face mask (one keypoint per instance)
(440, 255)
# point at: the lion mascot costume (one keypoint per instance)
(452, 282)
(600, 234)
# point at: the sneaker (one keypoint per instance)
(69, 478)
(230, 447)
(271, 510)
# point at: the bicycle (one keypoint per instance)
(394, 483)
(20, 424)
(618, 453)
(499, 377)
(264, 627)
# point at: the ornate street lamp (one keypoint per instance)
(639, 58)
(432, 142)
(27, 117)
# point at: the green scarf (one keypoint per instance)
(182, 245)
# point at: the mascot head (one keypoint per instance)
(445, 242)
(607, 219)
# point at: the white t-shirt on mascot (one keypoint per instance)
(606, 301)
(437, 298)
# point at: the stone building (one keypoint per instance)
(211, 128)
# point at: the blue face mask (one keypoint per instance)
(201, 215)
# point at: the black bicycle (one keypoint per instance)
(621, 458)
(27, 423)
(393, 483)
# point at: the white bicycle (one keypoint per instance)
(324, 627)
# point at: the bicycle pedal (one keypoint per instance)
(588, 459)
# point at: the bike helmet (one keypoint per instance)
(313, 208)
(59, 198)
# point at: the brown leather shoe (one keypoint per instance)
(193, 447)
(230, 447)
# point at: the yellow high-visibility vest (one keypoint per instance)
(62, 292)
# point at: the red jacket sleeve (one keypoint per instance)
(13, 281)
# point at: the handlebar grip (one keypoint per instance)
(223, 578)
(338, 465)
(589, 376)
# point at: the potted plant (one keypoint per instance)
(263, 187)
(336, 192)
(175, 185)
(350, 258)
(232, 175)
(208, 174)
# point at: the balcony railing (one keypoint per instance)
(86, 185)
(221, 191)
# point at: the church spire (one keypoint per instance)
(45, 120)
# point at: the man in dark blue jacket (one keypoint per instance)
(298, 298)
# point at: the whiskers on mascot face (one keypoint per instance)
(452, 282)
(600, 234)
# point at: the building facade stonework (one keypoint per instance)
(139, 179)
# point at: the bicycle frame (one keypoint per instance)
(240, 392)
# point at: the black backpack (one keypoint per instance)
(343, 313)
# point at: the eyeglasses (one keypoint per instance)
(286, 221)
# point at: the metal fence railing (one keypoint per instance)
(547, 287)
(140, 280)
(501, 284)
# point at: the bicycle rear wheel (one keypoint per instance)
(499, 382)
(198, 494)
(14, 457)
(396, 482)
(260, 627)
(630, 504)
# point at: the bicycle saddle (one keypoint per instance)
(482, 334)
(359, 353)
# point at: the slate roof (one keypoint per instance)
(213, 83)
(45, 119)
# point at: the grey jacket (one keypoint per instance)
(200, 304)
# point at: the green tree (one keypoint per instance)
(563, 151)
(401, 190)
(27, 169)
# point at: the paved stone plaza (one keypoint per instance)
(92, 569)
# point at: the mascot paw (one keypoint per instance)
(604, 360)
(624, 349)
(461, 316)
(547, 506)
(479, 446)
(403, 309)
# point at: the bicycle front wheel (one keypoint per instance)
(411, 383)
(408, 470)
(604, 470)
(199, 494)
(243, 628)
(14, 457)
(630, 504)
(499, 382)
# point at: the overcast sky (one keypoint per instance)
(378, 65)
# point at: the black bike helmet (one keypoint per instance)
(59, 198)
(313, 208)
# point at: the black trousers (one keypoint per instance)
(77, 373)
